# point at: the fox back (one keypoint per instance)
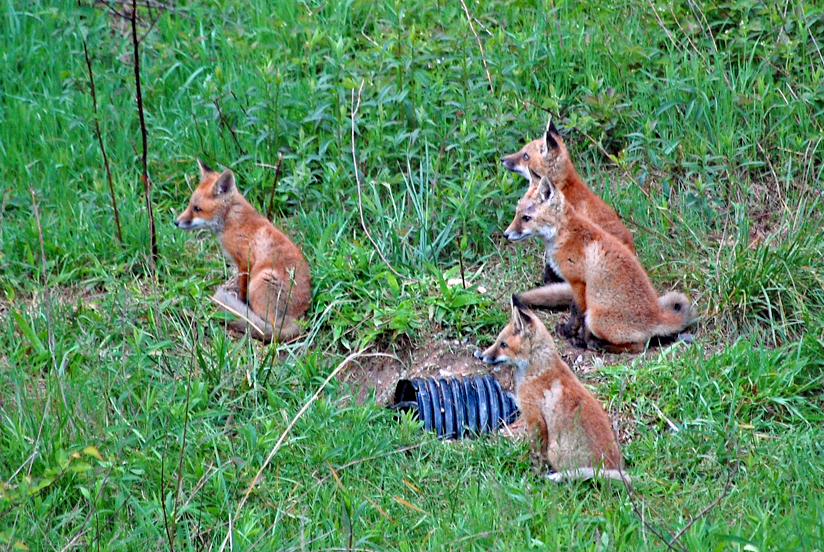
(609, 285)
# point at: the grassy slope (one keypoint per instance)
(716, 164)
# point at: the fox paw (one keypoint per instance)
(232, 285)
(564, 330)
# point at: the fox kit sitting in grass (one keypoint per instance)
(548, 156)
(615, 301)
(569, 429)
(273, 287)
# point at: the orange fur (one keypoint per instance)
(570, 430)
(273, 287)
(611, 290)
(548, 156)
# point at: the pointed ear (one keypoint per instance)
(520, 314)
(551, 128)
(545, 190)
(224, 184)
(551, 137)
(204, 169)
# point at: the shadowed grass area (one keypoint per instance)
(130, 419)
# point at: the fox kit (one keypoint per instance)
(273, 287)
(548, 156)
(619, 307)
(569, 429)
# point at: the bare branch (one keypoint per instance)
(147, 184)
(271, 208)
(225, 122)
(480, 46)
(102, 148)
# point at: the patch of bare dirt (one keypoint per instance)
(434, 357)
(437, 356)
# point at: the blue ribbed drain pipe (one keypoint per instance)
(456, 408)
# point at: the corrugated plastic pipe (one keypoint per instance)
(456, 408)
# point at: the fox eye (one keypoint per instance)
(196, 209)
(504, 345)
(526, 157)
(526, 218)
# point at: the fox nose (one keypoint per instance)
(506, 235)
(177, 223)
(478, 354)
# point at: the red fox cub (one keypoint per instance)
(620, 308)
(569, 429)
(548, 156)
(273, 286)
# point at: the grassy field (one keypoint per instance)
(132, 421)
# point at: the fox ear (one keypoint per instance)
(204, 169)
(550, 136)
(545, 190)
(520, 314)
(224, 184)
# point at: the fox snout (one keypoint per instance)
(488, 358)
(513, 163)
(183, 222)
(516, 235)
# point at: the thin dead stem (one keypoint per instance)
(289, 427)
(271, 208)
(225, 122)
(557, 24)
(49, 321)
(480, 45)
(182, 446)
(732, 470)
(812, 37)
(100, 144)
(355, 107)
(162, 497)
(147, 184)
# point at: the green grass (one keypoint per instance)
(700, 122)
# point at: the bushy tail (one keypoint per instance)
(549, 296)
(675, 315)
(247, 319)
(588, 473)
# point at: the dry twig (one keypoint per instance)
(147, 184)
(480, 46)
(271, 208)
(100, 143)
